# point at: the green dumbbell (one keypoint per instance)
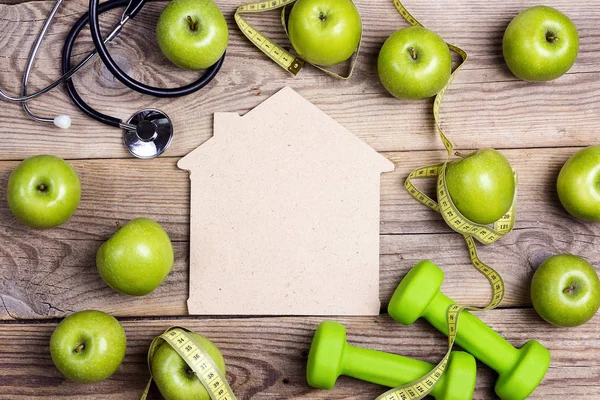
(331, 356)
(520, 371)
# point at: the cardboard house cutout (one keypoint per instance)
(284, 214)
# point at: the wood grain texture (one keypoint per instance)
(50, 273)
(481, 108)
(266, 357)
(119, 190)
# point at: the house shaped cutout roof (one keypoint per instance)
(292, 112)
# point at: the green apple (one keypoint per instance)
(137, 258)
(414, 63)
(565, 290)
(578, 184)
(88, 346)
(481, 185)
(175, 379)
(324, 32)
(43, 192)
(192, 34)
(540, 44)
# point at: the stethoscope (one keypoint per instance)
(148, 132)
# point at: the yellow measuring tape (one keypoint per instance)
(470, 230)
(438, 98)
(283, 58)
(445, 206)
(198, 360)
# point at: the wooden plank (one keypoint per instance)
(537, 201)
(44, 278)
(266, 357)
(48, 278)
(486, 106)
(119, 190)
(50, 273)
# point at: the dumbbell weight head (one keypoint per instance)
(331, 356)
(415, 292)
(458, 380)
(325, 355)
(529, 371)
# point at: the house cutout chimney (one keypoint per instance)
(284, 214)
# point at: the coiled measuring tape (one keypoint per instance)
(196, 358)
(438, 97)
(280, 56)
(470, 230)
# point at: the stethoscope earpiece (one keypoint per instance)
(62, 122)
(152, 134)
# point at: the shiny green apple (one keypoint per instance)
(324, 32)
(88, 346)
(565, 290)
(481, 185)
(137, 258)
(414, 63)
(43, 192)
(578, 184)
(173, 376)
(540, 44)
(193, 34)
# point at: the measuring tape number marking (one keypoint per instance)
(283, 58)
(196, 358)
(280, 56)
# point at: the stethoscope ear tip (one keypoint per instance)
(62, 121)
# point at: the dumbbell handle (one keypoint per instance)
(384, 368)
(473, 335)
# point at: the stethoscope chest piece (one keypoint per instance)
(152, 134)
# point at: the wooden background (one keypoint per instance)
(45, 275)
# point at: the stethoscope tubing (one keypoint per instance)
(66, 64)
(65, 76)
(92, 18)
(128, 81)
(132, 7)
(31, 59)
(53, 85)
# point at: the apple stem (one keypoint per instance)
(413, 53)
(118, 224)
(193, 24)
(79, 348)
(569, 289)
(459, 154)
(42, 187)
